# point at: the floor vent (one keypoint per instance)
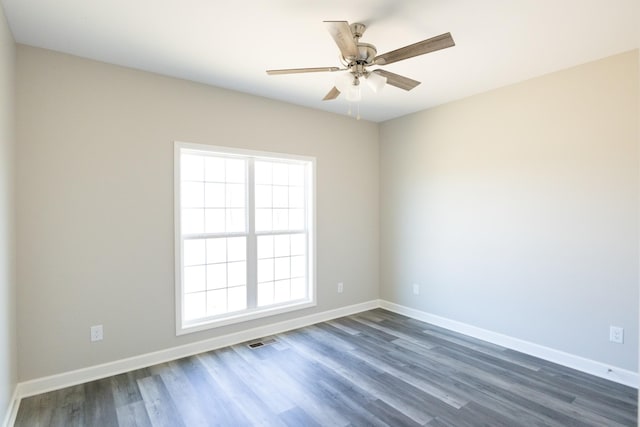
(259, 344)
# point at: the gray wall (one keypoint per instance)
(517, 210)
(95, 202)
(8, 345)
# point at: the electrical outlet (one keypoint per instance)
(416, 289)
(340, 287)
(96, 333)
(616, 334)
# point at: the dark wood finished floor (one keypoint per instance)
(372, 369)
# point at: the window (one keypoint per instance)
(244, 235)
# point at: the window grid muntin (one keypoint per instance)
(206, 291)
(274, 182)
(272, 178)
(274, 277)
(203, 178)
(306, 171)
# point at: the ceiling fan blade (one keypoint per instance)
(397, 80)
(442, 41)
(301, 70)
(333, 94)
(341, 33)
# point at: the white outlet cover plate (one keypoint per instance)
(96, 333)
(616, 334)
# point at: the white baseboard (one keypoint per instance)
(66, 379)
(12, 410)
(579, 363)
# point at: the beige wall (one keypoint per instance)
(8, 343)
(95, 202)
(517, 210)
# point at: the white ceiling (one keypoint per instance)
(230, 44)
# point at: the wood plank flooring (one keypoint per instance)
(372, 369)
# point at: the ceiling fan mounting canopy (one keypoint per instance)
(356, 57)
(357, 29)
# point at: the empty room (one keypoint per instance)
(336, 213)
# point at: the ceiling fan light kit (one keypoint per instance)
(356, 57)
(376, 81)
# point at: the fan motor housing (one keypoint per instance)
(367, 52)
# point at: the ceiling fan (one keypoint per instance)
(357, 57)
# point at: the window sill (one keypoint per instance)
(242, 316)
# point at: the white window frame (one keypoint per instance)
(183, 327)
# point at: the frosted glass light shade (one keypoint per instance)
(354, 94)
(344, 81)
(376, 82)
(345, 84)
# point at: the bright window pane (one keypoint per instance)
(194, 278)
(280, 197)
(298, 288)
(265, 247)
(281, 291)
(280, 219)
(214, 169)
(192, 168)
(236, 273)
(195, 305)
(282, 268)
(216, 227)
(237, 298)
(296, 219)
(192, 221)
(264, 220)
(216, 250)
(280, 174)
(216, 276)
(236, 222)
(262, 172)
(265, 270)
(214, 221)
(296, 197)
(214, 195)
(194, 252)
(263, 196)
(235, 170)
(265, 294)
(237, 248)
(235, 196)
(192, 195)
(298, 244)
(216, 302)
(282, 245)
(296, 175)
(298, 266)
